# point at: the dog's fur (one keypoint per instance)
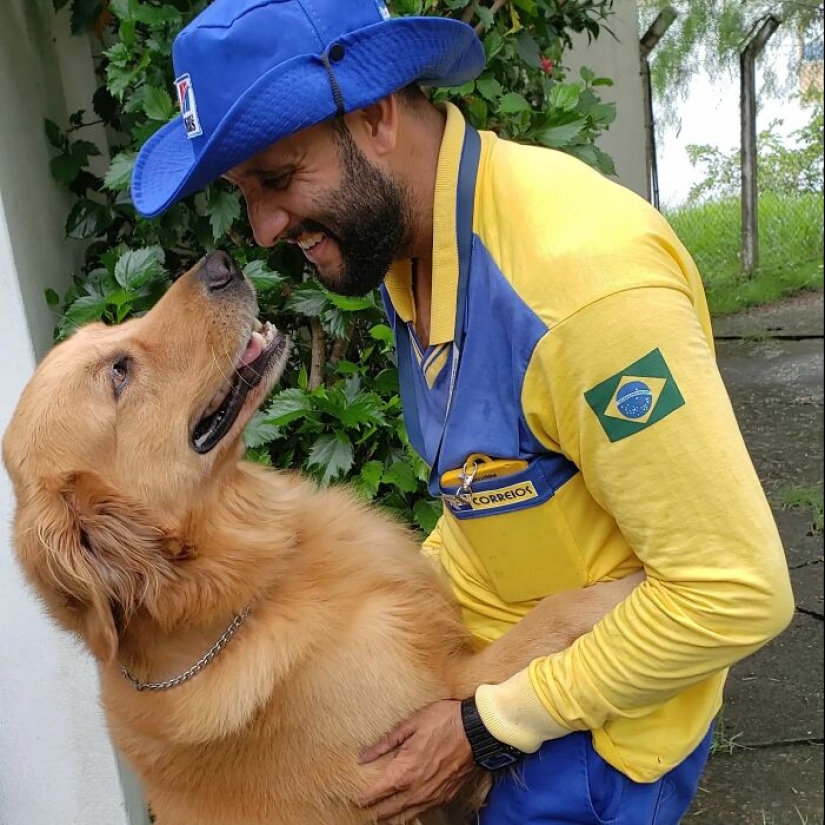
(146, 550)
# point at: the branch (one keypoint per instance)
(469, 12)
(339, 350)
(493, 9)
(319, 354)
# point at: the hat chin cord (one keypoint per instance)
(336, 53)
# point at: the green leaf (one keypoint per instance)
(528, 49)
(485, 16)
(119, 174)
(287, 406)
(223, 208)
(52, 298)
(157, 103)
(156, 15)
(259, 455)
(383, 333)
(124, 10)
(139, 266)
(83, 150)
(263, 278)
(88, 219)
(426, 513)
(560, 136)
(65, 168)
(513, 102)
(565, 96)
(489, 87)
(603, 113)
(309, 299)
(370, 478)
(260, 431)
(333, 454)
(54, 134)
(118, 79)
(85, 309)
(401, 474)
(364, 410)
(350, 304)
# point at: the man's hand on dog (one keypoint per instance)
(431, 759)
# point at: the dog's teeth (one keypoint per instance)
(259, 338)
(257, 326)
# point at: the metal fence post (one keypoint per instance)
(647, 43)
(750, 189)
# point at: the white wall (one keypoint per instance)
(56, 764)
(625, 141)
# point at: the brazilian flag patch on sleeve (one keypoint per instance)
(635, 398)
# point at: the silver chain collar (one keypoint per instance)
(193, 671)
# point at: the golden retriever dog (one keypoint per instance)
(254, 632)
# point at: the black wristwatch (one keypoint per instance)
(488, 752)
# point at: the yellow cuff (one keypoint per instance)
(514, 714)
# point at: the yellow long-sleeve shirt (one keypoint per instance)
(588, 352)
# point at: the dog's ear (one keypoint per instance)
(95, 556)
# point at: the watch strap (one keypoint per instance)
(488, 752)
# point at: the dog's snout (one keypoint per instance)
(218, 271)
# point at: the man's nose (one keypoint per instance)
(218, 271)
(269, 224)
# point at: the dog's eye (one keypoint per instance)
(119, 373)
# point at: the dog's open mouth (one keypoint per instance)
(265, 345)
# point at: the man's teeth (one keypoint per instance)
(307, 242)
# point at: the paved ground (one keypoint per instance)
(772, 362)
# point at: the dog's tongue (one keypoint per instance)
(254, 348)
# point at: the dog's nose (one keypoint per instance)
(219, 271)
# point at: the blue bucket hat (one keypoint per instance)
(250, 72)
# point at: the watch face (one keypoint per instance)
(497, 761)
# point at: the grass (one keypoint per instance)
(808, 497)
(722, 740)
(769, 819)
(790, 245)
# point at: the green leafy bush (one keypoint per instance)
(337, 414)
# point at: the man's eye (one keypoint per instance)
(119, 373)
(277, 182)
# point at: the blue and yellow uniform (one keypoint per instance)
(571, 373)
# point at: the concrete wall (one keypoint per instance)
(625, 142)
(56, 763)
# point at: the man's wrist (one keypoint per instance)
(488, 752)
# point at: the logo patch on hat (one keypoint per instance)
(188, 107)
(635, 398)
(382, 9)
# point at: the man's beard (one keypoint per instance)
(368, 217)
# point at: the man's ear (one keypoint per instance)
(94, 556)
(375, 128)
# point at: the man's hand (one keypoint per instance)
(431, 759)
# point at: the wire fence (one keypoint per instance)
(707, 213)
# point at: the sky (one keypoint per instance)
(710, 115)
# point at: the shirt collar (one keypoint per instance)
(445, 250)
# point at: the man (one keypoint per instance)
(557, 372)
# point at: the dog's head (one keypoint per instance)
(120, 431)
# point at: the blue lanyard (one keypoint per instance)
(465, 195)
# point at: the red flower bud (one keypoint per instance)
(547, 65)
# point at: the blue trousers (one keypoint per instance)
(567, 783)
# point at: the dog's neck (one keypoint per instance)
(226, 565)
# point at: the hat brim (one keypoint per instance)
(378, 60)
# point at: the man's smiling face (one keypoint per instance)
(318, 190)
